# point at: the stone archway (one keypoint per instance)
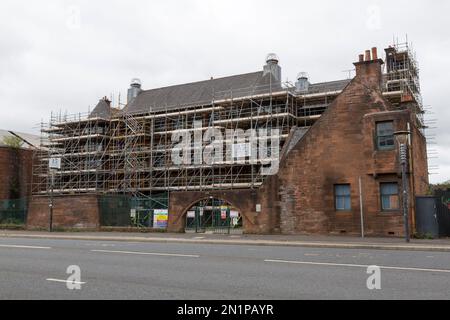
(213, 215)
(181, 201)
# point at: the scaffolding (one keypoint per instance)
(401, 79)
(131, 153)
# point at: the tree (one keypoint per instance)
(444, 186)
(13, 142)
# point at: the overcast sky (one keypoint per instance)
(65, 55)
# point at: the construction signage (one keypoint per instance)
(160, 218)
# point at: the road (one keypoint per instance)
(36, 269)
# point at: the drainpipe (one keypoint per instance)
(412, 181)
(361, 207)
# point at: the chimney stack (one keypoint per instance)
(368, 68)
(374, 53)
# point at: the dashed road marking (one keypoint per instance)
(356, 265)
(65, 281)
(150, 253)
(22, 247)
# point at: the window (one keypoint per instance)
(389, 196)
(385, 135)
(342, 197)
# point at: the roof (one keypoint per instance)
(102, 110)
(328, 86)
(29, 141)
(203, 92)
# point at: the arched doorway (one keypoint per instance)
(215, 216)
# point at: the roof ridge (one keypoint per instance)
(333, 81)
(202, 81)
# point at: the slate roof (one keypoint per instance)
(102, 110)
(202, 92)
(328, 86)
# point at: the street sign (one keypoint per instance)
(54, 163)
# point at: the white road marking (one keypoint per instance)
(150, 253)
(65, 281)
(357, 266)
(22, 247)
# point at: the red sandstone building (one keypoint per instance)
(338, 159)
(16, 157)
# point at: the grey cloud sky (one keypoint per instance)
(51, 58)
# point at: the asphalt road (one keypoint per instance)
(36, 269)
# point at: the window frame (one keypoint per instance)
(383, 195)
(378, 137)
(336, 197)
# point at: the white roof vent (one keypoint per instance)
(272, 57)
(302, 75)
(136, 82)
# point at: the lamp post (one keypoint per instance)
(54, 164)
(402, 140)
(52, 186)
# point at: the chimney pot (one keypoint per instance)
(374, 53)
(361, 58)
(368, 55)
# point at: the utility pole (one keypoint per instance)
(52, 186)
(54, 164)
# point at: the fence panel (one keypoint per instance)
(13, 212)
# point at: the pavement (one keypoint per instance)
(307, 241)
(37, 268)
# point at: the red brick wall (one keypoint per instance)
(339, 149)
(15, 173)
(68, 212)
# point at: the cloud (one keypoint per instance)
(65, 55)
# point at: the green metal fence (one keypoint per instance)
(127, 211)
(13, 212)
(212, 216)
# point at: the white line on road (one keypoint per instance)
(357, 266)
(65, 281)
(22, 247)
(150, 253)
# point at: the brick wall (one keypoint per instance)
(68, 212)
(340, 148)
(15, 173)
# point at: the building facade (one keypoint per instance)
(245, 152)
